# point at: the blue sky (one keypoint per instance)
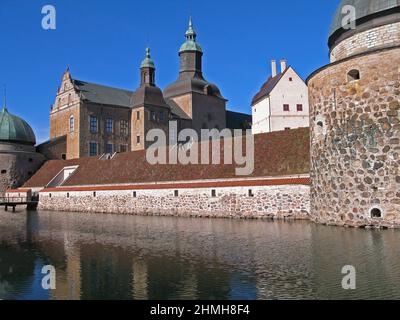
(104, 41)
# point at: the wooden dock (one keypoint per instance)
(13, 202)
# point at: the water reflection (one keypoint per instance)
(126, 257)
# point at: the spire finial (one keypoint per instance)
(5, 98)
(148, 52)
(190, 33)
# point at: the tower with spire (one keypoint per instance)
(149, 109)
(197, 99)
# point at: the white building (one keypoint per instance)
(281, 103)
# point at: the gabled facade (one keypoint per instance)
(281, 103)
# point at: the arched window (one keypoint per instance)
(71, 124)
(353, 75)
(376, 213)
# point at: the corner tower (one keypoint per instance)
(200, 100)
(355, 121)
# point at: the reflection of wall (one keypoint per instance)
(139, 280)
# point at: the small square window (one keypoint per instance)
(176, 193)
(299, 107)
(286, 107)
(290, 79)
(138, 139)
(213, 193)
(134, 194)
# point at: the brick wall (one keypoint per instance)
(384, 36)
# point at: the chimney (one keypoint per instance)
(273, 67)
(283, 65)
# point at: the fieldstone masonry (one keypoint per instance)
(355, 149)
(278, 202)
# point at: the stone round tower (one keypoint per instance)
(354, 119)
(18, 157)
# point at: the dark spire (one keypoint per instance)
(147, 70)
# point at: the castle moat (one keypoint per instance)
(99, 256)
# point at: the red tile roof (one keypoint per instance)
(281, 153)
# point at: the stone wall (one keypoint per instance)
(355, 149)
(17, 165)
(383, 36)
(280, 202)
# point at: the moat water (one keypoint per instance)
(127, 257)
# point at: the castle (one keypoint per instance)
(89, 119)
(352, 179)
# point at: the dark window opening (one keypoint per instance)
(251, 194)
(213, 193)
(319, 123)
(93, 124)
(3, 171)
(176, 193)
(94, 194)
(49, 195)
(67, 195)
(29, 173)
(138, 115)
(30, 160)
(299, 107)
(353, 75)
(134, 194)
(376, 213)
(290, 79)
(287, 128)
(286, 107)
(64, 156)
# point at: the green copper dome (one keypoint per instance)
(14, 129)
(190, 44)
(147, 62)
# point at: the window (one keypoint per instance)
(123, 148)
(93, 124)
(353, 75)
(67, 195)
(213, 193)
(299, 107)
(138, 139)
(290, 79)
(176, 193)
(109, 125)
(152, 116)
(251, 194)
(376, 213)
(93, 149)
(3, 171)
(109, 148)
(49, 195)
(134, 194)
(124, 128)
(71, 124)
(162, 116)
(286, 107)
(138, 115)
(94, 194)
(63, 156)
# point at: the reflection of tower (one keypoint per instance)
(68, 281)
(139, 280)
